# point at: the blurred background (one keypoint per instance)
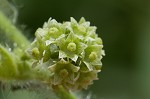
(124, 26)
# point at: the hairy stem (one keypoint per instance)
(62, 93)
(12, 32)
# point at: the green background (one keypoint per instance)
(124, 26)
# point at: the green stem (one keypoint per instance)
(12, 32)
(62, 93)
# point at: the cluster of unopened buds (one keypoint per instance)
(70, 52)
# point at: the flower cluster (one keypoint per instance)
(71, 51)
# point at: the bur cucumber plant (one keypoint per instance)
(64, 56)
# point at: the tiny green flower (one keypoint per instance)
(71, 46)
(64, 72)
(71, 52)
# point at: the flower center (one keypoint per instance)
(71, 47)
(35, 52)
(53, 30)
(93, 56)
(63, 73)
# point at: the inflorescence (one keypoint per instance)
(70, 52)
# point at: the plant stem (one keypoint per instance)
(12, 32)
(62, 93)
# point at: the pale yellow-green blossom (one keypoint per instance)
(71, 52)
